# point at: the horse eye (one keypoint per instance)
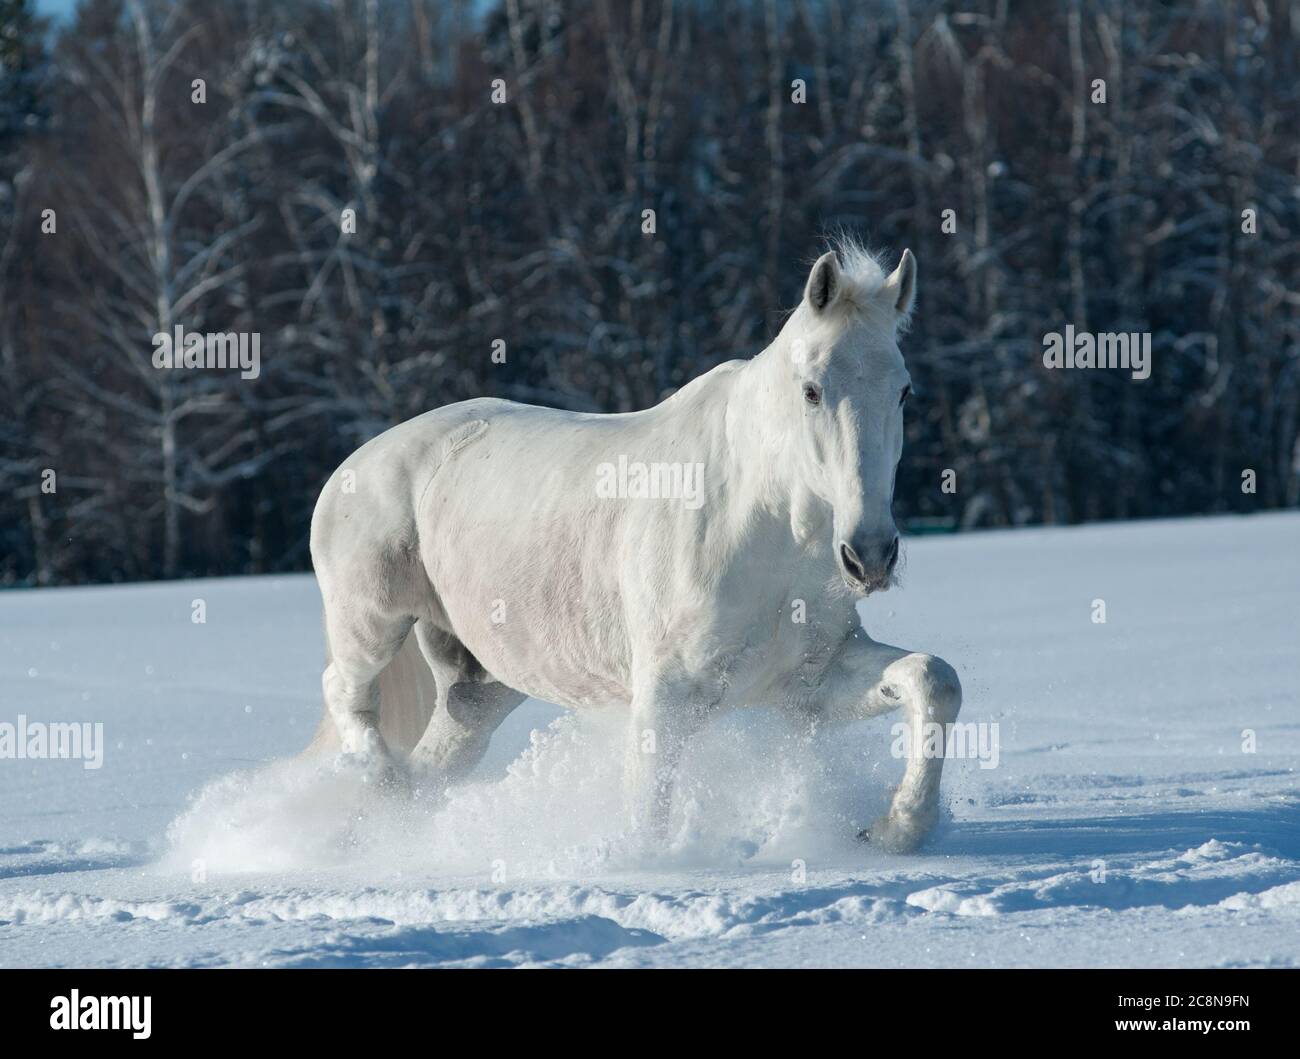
(811, 394)
(907, 392)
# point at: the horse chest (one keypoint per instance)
(776, 633)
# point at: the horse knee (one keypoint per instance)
(932, 682)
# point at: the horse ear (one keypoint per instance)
(823, 281)
(901, 285)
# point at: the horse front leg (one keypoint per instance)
(867, 679)
(664, 717)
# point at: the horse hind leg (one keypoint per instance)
(461, 729)
(361, 645)
(470, 707)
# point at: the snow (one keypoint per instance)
(1125, 824)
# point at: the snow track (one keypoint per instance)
(1128, 821)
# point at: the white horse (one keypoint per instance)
(542, 552)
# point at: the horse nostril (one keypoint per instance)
(892, 557)
(852, 564)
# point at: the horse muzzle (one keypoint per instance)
(869, 567)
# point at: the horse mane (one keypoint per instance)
(863, 272)
(862, 269)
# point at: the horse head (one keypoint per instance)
(847, 385)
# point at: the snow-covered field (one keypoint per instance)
(1126, 822)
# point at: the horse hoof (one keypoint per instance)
(427, 783)
(391, 780)
(382, 775)
(895, 834)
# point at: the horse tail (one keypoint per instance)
(408, 694)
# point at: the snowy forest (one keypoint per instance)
(415, 202)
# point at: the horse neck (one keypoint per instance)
(761, 443)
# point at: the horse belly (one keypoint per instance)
(518, 568)
(546, 646)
